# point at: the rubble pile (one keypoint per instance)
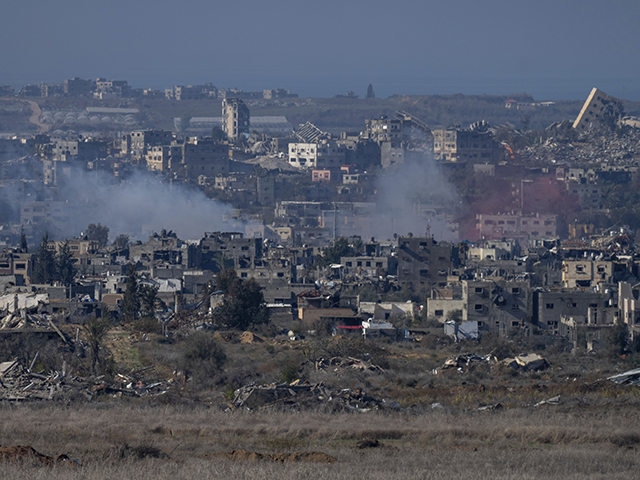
(297, 395)
(459, 362)
(526, 362)
(630, 377)
(21, 384)
(20, 311)
(18, 383)
(340, 362)
(621, 150)
(27, 321)
(531, 362)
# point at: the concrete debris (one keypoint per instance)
(527, 363)
(17, 321)
(461, 361)
(630, 377)
(614, 150)
(248, 337)
(20, 384)
(301, 396)
(549, 401)
(13, 303)
(339, 362)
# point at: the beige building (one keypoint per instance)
(585, 273)
(163, 158)
(514, 225)
(383, 129)
(324, 154)
(598, 107)
(474, 145)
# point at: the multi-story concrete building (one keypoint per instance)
(629, 307)
(516, 225)
(599, 108)
(497, 306)
(235, 118)
(474, 145)
(423, 261)
(369, 266)
(383, 129)
(588, 195)
(323, 154)
(87, 149)
(138, 141)
(550, 306)
(163, 158)
(203, 156)
(586, 273)
(229, 249)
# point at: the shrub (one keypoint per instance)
(202, 358)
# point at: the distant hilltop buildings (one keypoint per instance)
(103, 89)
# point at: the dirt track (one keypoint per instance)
(36, 112)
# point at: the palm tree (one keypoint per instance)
(95, 330)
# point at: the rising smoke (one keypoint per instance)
(138, 206)
(415, 197)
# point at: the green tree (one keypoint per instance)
(98, 233)
(23, 241)
(122, 241)
(65, 269)
(44, 268)
(95, 330)
(222, 261)
(131, 298)
(620, 339)
(243, 305)
(148, 298)
(227, 281)
(202, 358)
(370, 92)
(333, 253)
(218, 135)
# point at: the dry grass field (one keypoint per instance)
(120, 440)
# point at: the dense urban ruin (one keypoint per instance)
(127, 232)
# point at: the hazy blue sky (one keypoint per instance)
(550, 49)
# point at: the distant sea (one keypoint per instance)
(384, 84)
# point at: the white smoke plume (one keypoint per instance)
(139, 206)
(413, 198)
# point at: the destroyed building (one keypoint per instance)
(599, 109)
(235, 118)
(516, 226)
(423, 261)
(475, 144)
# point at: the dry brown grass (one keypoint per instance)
(128, 441)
